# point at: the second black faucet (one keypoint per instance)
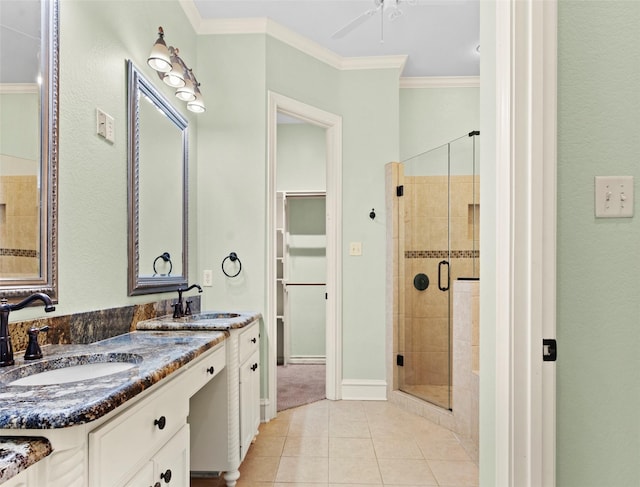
(180, 310)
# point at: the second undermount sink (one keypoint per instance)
(212, 316)
(70, 369)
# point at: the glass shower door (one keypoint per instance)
(438, 244)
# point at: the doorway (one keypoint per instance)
(283, 180)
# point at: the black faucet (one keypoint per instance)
(6, 350)
(178, 309)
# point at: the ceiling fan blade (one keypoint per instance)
(395, 13)
(359, 20)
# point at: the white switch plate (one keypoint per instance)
(105, 125)
(207, 278)
(614, 196)
(355, 248)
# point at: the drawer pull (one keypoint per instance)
(254, 367)
(211, 370)
(166, 476)
(254, 340)
(161, 422)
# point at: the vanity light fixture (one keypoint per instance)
(174, 72)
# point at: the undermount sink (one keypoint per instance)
(212, 316)
(70, 369)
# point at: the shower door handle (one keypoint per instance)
(440, 265)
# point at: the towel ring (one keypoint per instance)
(232, 257)
(167, 258)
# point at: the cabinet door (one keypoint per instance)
(144, 477)
(249, 401)
(171, 463)
(20, 480)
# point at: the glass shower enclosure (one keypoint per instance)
(438, 243)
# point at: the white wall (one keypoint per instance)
(487, 246)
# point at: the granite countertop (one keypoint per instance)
(18, 453)
(166, 345)
(155, 354)
(206, 320)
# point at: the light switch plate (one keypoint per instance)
(355, 248)
(614, 196)
(105, 125)
(207, 278)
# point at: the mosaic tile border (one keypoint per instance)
(441, 254)
(18, 253)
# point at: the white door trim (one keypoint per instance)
(526, 62)
(333, 126)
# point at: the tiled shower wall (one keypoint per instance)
(425, 241)
(19, 223)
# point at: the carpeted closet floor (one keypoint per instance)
(300, 384)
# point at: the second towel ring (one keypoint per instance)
(165, 257)
(233, 257)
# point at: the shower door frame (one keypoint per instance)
(440, 166)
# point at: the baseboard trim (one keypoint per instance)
(264, 407)
(308, 360)
(364, 390)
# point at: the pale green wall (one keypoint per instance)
(301, 157)
(370, 129)
(95, 40)
(301, 166)
(598, 329)
(431, 117)
(19, 125)
(232, 168)
(232, 176)
(306, 262)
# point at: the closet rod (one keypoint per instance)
(305, 283)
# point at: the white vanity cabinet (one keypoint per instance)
(249, 377)
(169, 467)
(149, 441)
(33, 476)
(227, 413)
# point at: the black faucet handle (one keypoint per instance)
(177, 310)
(187, 307)
(33, 350)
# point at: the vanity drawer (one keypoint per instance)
(118, 447)
(204, 370)
(248, 341)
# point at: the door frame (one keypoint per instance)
(525, 214)
(332, 124)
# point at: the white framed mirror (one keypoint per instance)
(29, 55)
(158, 189)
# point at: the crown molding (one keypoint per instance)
(441, 82)
(19, 88)
(278, 31)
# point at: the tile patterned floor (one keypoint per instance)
(353, 443)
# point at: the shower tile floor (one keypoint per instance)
(438, 395)
(342, 443)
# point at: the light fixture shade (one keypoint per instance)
(187, 92)
(196, 105)
(160, 59)
(175, 77)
